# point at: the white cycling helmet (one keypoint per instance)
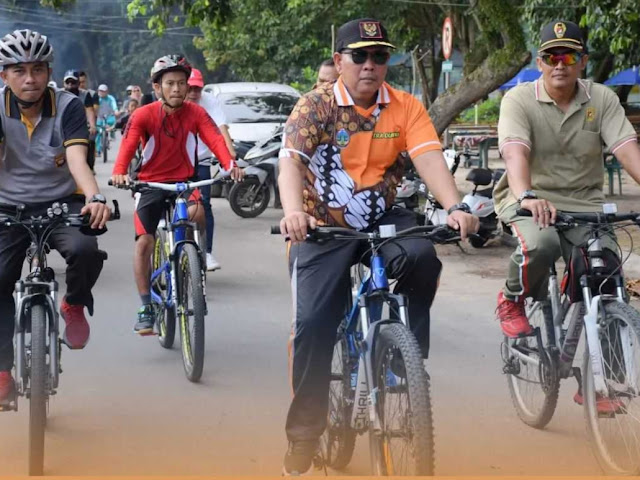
(103, 88)
(52, 84)
(25, 46)
(169, 63)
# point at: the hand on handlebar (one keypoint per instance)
(542, 211)
(463, 222)
(295, 225)
(120, 180)
(99, 214)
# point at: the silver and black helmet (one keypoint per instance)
(25, 46)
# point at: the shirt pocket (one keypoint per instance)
(588, 144)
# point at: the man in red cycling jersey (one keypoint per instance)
(169, 129)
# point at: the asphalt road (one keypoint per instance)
(125, 407)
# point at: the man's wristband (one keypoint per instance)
(459, 206)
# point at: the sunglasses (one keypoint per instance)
(359, 56)
(71, 81)
(567, 59)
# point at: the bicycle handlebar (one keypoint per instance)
(567, 219)
(437, 233)
(170, 187)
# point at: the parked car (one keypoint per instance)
(254, 110)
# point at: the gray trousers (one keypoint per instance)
(538, 249)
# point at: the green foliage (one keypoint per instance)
(488, 112)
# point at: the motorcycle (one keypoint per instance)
(251, 197)
(480, 202)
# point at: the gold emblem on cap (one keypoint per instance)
(370, 29)
(559, 29)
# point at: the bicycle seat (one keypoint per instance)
(480, 176)
(498, 173)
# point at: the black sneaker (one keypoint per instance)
(146, 319)
(299, 457)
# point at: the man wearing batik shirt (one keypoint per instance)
(343, 155)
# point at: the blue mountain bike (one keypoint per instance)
(378, 380)
(178, 277)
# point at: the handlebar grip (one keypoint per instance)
(275, 230)
(523, 212)
(110, 183)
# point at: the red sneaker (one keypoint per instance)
(7, 387)
(604, 405)
(76, 334)
(513, 319)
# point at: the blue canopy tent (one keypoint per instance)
(524, 75)
(630, 76)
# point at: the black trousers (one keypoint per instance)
(84, 263)
(320, 285)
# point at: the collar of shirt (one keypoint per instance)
(13, 108)
(582, 95)
(344, 99)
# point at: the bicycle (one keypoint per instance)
(103, 138)
(593, 299)
(38, 347)
(378, 379)
(178, 276)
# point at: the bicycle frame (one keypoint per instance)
(365, 313)
(176, 236)
(564, 345)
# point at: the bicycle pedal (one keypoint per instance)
(147, 333)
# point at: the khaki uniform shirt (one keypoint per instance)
(566, 149)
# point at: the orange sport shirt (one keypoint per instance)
(354, 156)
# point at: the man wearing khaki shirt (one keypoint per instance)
(551, 134)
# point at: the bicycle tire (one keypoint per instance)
(604, 445)
(39, 373)
(339, 439)
(522, 385)
(192, 305)
(396, 342)
(165, 317)
(105, 146)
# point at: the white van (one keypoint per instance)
(254, 109)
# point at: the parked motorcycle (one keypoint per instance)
(251, 197)
(480, 202)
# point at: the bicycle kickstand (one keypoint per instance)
(578, 375)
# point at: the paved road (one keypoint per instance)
(125, 407)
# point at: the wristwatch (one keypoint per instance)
(527, 194)
(459, 206)
(98, 198)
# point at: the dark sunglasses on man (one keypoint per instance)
(359, 56)
(71, 81)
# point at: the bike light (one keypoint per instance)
(609, 208)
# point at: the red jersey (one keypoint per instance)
(170, 142)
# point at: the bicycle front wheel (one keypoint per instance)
(105, 147)
(615, 429)
(38, 389)
(339, 438)
(531, 374)
(405, 446)
(191, 311)
(165, 317)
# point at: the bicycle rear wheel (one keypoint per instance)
(339, 438)
(38, 389)
(165, 317)
(531, 375)
(191, 311)
(615, 436)
(405, 445)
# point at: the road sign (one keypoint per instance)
(447, 66)
(447, 38)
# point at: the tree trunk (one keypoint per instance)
(603, 68)
(484, 80)
(424, 83)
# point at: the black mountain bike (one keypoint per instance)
(37, 331)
